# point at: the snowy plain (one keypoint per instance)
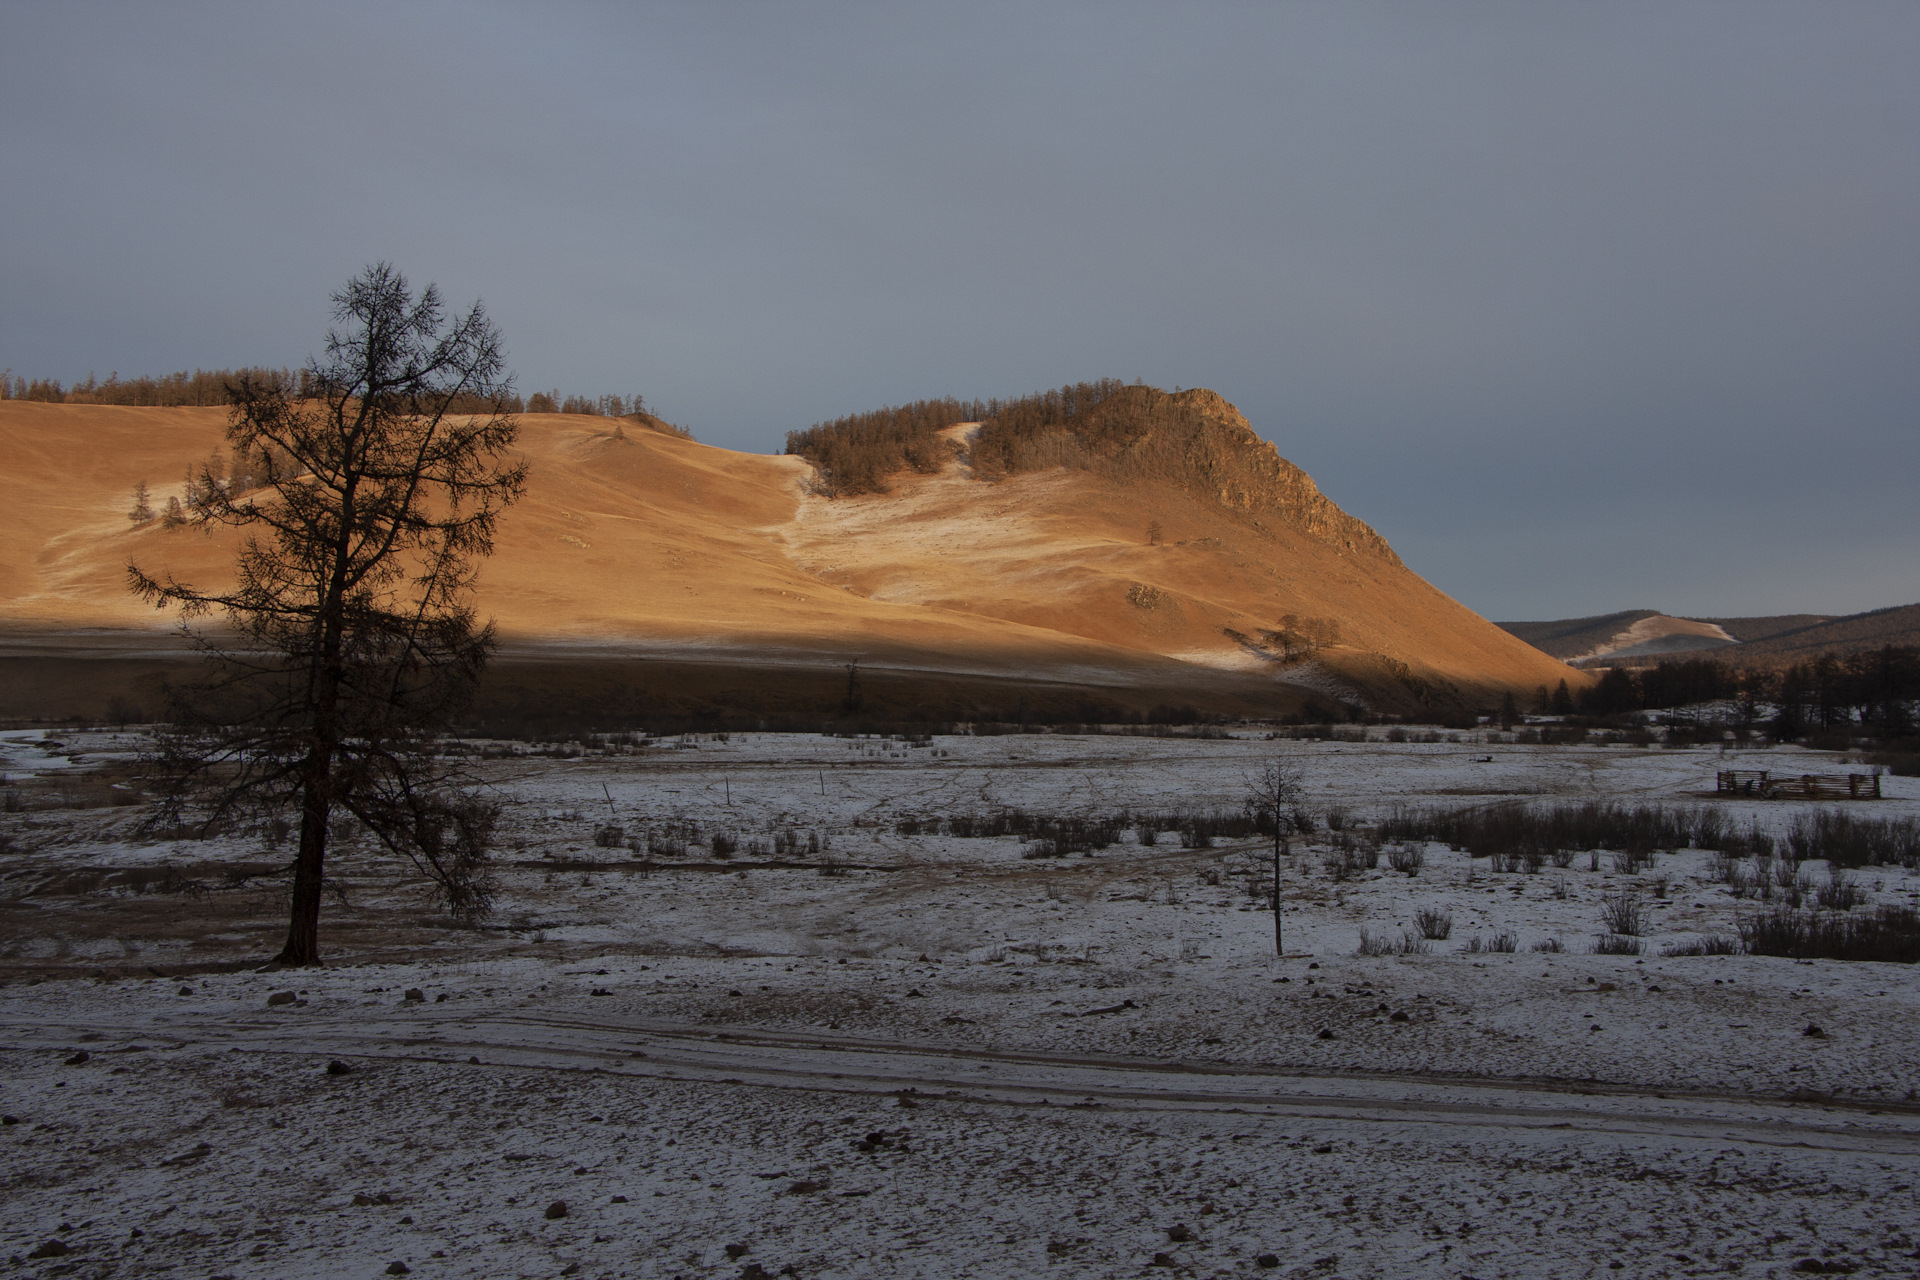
(923, 1055)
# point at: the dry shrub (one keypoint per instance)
(1887, 933)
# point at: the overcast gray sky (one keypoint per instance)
(1585, 307)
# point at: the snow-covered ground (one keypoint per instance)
(921, 1055)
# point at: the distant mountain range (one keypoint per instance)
(1787, 637)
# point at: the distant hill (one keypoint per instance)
(1805, 637)
(1149, 549)
(1782, 638)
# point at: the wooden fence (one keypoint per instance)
(1805, 786)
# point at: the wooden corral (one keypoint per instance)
(1805, 786)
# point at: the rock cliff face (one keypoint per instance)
(1249, 475)
(1195, 439)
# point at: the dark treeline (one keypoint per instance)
(202, 387)
(1062, 429)
(592, 406)
(1876, 689)
(212, 388)
(858, 453)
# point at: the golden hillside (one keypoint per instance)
(635, 542)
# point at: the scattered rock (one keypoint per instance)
(1326, 1033)
(79, 1058)
(558, 1209)
(1606, 986)
(200, 1152)
(804, 1187)
(754, 1271)
(186, 991)
(914, 994)
(1180, 1233)
(1326, 1149)
(362, 1199)
(398, 1268)
(281, 997)
(1815, 1032)
(1059, 1247)
(51, 1249)
(414, 996)
(1267, 1260)
(618, 1200)
(571, 1269)
(9, 1119)
(1314, 965)
(442, 998)
(732, 992)
(906, 1102)
(338, 1068)
(1162, 1260)
(737, 1251)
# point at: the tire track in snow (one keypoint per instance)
(746, 1056)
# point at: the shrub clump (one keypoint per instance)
(1523, 837)
(1712, 945)
(1620, 912)
(1843, 839)
(1887, 933)
(1408, 943)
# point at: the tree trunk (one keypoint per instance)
(1279, 946)
(309, 867)
(316, 778)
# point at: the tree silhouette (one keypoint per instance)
(1272, 799)
(352, 637)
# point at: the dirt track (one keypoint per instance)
(745, 1055)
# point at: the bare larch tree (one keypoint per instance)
(351, 640)
(1273, 798)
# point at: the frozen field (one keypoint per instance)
(890, 1054)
